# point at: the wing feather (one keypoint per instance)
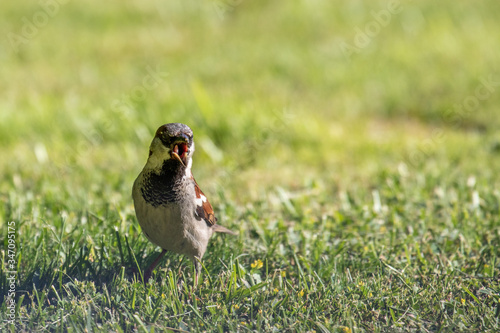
(203, 207)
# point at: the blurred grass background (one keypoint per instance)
(263, 84)
(266, 86)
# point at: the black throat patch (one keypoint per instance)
(164, 188)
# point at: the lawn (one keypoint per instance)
(354, 147)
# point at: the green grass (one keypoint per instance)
(364, 198)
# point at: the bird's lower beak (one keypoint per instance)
(177, 157)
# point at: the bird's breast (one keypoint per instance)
(171, 224)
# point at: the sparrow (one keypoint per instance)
(172, 211)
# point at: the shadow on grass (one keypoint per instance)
(51, 279)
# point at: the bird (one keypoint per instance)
(171, 209)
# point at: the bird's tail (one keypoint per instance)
(219, 228)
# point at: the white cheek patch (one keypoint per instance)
(188, 168)
(189, 160)
(159, 154)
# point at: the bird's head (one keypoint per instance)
(173, 143)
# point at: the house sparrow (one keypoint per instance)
(171, 208)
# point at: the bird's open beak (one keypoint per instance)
(180, 150)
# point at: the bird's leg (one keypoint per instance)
(197, 268)
(148, 272)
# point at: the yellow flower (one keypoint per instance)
(345, 329)
(301, 293)
(276, 290)
(283, 274)
(257, 264)
(463, 301)
(236, 306)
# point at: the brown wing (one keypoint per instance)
(203, 208)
